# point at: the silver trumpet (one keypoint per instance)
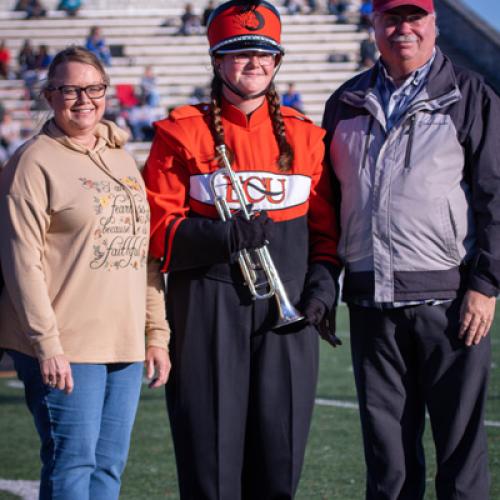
(252, 260)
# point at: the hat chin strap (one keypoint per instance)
(235, 90)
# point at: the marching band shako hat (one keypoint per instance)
(240, 25)
(383, 5)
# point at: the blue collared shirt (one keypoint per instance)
(396, 100)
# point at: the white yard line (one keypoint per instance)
(27, 490)
(337, 403)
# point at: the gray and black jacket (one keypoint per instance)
(420, 204)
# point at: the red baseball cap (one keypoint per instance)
(383, 5)
(240, 25)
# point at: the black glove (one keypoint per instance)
(201, 242)
(314, 311)
(252, 233)
(327, 328)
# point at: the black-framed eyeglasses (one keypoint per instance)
(264, 58)
(72, 92)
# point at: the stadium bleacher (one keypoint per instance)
(180, 62)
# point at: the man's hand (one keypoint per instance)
(56, 373)
(476, 316)
(157, 366)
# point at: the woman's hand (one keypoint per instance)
(56, 372)
(157, 363)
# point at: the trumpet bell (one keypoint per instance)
(288, 317)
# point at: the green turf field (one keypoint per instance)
(334, 466)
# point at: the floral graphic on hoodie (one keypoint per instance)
(122, 234)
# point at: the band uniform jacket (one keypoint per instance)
(177, 176)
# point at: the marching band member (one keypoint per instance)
(241, 393)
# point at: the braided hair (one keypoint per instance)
(285, 159)
(286, 152)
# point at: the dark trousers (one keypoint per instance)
(406, 360)
(240, 396)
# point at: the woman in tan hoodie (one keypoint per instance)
(74, 221)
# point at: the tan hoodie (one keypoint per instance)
(74, 226)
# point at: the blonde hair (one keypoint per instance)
(75, 54)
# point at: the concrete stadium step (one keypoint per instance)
(54, 32)
(291, 61)
(199, 78)
(163, 63)
(325, 47)
(89, 14)
(12, 27)
(82, 22)
(100, 17)
(170, 43)
(12, 93)
(201, 69)
(199, 4)
(10, 84)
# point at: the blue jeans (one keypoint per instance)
(85, 436)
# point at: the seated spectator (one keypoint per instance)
(148, 91)
(26, 57)
(199, 94)
(292, 98)
(27, 60)
(140, 120)
(312, 6)
(338, 57)
(190, 22)
(4, 60)
(33, 8)
(293, 7)
(97, 45)
(170, 22)
(43, 58)
(71, 7)
(125, 94)
(368, 52)
(114, 114)
(10, 133)
(365, 11)
(207, 12)
(339, 8)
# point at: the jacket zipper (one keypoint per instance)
(367, 143)
(409, 145)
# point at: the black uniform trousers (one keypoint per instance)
(406, 360)
(240, 396)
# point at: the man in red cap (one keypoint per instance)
(414, 144)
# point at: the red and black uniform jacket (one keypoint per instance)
(185, 226)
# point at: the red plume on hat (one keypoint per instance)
(240, 25)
